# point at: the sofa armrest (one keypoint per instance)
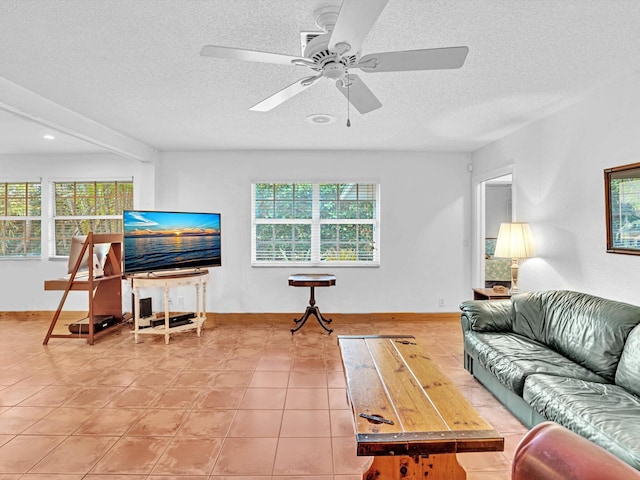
(486, 315)
(552, 452)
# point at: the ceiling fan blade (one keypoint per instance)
(354, 21)
(359, 95)
(285, 94)
(428, 59)
(246, 55)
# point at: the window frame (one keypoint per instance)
(53, 217)
(316, 224)
(26, 218)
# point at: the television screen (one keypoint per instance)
(170, 240)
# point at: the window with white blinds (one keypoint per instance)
(315, 224)
(20, 219)
(88, 206)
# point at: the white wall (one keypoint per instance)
(497, 208)
(559, 189)
(425, 205)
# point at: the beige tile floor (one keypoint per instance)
(246, 400)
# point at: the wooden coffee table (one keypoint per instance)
(408, 415)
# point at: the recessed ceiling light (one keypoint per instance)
(320, 118)
(48, 137)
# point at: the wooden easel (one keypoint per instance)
(105, 293)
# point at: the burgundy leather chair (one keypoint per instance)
(552, 452)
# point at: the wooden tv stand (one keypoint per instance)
(198, 279)
(105, 292)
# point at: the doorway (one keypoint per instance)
(493, 204)
(498, 207)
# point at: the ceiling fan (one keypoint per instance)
(335, 52)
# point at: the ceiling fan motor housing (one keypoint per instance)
(332, 65)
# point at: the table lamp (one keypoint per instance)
(514, 241)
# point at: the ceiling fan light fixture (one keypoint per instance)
(320, 119)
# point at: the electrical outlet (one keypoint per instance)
(181, 302)
(441, 302)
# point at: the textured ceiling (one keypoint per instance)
(134, 67)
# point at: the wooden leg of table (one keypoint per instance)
(431, 467)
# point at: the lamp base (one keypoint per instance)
(514, 276)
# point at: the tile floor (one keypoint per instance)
(246, 400)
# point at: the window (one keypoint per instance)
(20, 219)
(83, 207)
(311, 224)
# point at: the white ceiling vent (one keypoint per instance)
(306, 37)
(320, 119)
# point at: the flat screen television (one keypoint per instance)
(161, 241)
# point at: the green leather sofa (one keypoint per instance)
(561, 356)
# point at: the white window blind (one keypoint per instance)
(20, 219)
(315, 224)
(87, 206)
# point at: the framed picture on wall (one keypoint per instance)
(622, 197)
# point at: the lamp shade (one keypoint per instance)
(514, 241)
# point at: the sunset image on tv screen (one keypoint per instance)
(170, 240)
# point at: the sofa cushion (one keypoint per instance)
(606, 414)
(511, 358)
(628, 373)
(483, 316)
(589, 330)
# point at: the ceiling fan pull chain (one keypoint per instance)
(348, 101)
